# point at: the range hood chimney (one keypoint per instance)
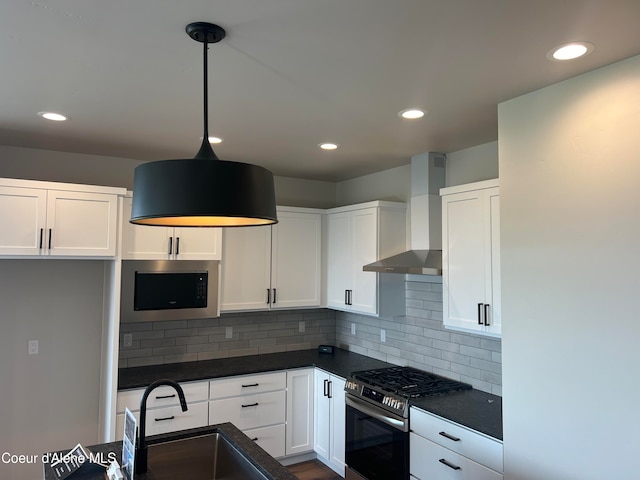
(425, 256)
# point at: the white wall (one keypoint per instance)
(472, 164)
(392, 185)
(49, 401)
(48, 165)
(570, 197)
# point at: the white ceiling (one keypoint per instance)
(289, 75)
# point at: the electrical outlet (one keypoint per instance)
(228, 332)
(128, 339)
(301, 326)
(33, 347)
(383, 335)
(353, 329)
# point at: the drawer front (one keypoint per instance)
(455, 437)
(430, 461)
(162, 396)
(271, 439)
(250, 411)
(247, 384)
(169, 419)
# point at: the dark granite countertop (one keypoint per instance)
(264, 462)
(474, 409)
(341, 363)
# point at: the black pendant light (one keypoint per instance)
(204, 191)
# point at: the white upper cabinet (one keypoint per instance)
(141, 242)
(471, 257)
(57, 219)
(356, 236)
(274, 267)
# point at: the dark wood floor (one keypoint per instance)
(313, 470)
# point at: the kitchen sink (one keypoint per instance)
(206, 457)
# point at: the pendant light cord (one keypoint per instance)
(206, 152)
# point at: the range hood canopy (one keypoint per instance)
(421, 262)
(425, 257)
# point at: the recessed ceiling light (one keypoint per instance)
(411, 113)
(328, 146)
(56, 117)
(570, 51)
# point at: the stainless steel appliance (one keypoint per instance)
(169, 290)
(377, 419)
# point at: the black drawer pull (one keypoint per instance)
(450, 437)
(161, 397)
(170, 245)
(177, 245)
(448, 464)
(486, 314)
(41, 233)
(250, 405)
(250, 385)
(50, 235)
(254, 439)
(480, 314)
(165, 418)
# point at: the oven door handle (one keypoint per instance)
(398, 423)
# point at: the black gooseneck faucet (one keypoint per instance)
(141, 450)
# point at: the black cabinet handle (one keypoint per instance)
(250, 385)
(165, 418)
(268, 296)
(254, 439)
(346, 297)
(160, 397)
(274, 296)
(250, 405)
(486, 314)
(329, 390)
(450, 437)
(41, 235)
(480, 314)
(449, 464)
(50, 235)
(349, 297)
(177, 245)
(325, 390)
(170, 245)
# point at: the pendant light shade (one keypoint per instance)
(203, 191)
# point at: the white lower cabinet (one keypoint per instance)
(300, 422)
(443, 450)
(330, 411)
(252, 403)
(164, 414)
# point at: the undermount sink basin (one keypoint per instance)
(206, 457)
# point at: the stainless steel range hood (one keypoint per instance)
(425, 256)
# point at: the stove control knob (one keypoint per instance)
(394, 403)
(400, 405)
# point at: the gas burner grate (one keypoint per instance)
(409, 382)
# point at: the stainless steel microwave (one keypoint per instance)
(169, 290)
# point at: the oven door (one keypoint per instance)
(377, 442)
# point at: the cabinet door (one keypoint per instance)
(296, 260)
(364, 250)
(142, 242)
(431, 461)
(81, 224)
(246, 268)
(300, 419)
(463, 257)
(493, 294)
(322, 410)
(198, 243)
(338, 413)
(339, 273)
(23, 215)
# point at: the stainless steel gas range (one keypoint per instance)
(377, 419)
